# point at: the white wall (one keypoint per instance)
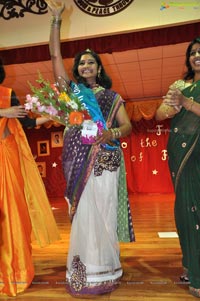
(140, 14)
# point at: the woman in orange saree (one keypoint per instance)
(24, 205)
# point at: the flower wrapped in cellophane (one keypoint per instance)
(56, 101)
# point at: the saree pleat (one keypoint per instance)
(42, 220)
(187, 217)
(16, 267)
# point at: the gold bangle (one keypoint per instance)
(113, 133)
(117, 133)
(166, 111)
(120, 133)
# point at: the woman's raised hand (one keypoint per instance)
(56, 7)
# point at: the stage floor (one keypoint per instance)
(152, 264)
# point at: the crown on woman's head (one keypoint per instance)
(88, 50)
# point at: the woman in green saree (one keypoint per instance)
(182, 104)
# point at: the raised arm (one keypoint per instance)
(56, 8)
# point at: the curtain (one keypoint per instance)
(145, 150)
(106, 44)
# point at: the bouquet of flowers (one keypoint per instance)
(56, 101)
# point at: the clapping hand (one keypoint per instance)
(174, 98)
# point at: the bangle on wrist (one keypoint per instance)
(191, 102)
(113, 133)
(116, 133)
(56, 20)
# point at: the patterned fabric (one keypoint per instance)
(107, 160)
(78, 279)
(124, 219)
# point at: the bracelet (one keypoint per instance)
(191, 104)
(113, 133)
(56, 20)
(167, 112)
(116, 133)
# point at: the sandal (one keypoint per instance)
(184, 277)
(194, 291)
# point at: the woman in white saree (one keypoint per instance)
(95, 174)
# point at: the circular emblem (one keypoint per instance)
(102, 8)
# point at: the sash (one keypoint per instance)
(87, 97)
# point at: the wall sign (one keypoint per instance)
(102, 8)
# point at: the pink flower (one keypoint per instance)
(31, 102)
(29, 97)
(35, 100)
(28, 106)
(51, 111)
(41, 109)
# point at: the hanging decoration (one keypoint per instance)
(17, 8)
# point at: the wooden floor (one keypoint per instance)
(151, 265)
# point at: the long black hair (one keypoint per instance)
(102, 78)
(2, 72)
(189, 74)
